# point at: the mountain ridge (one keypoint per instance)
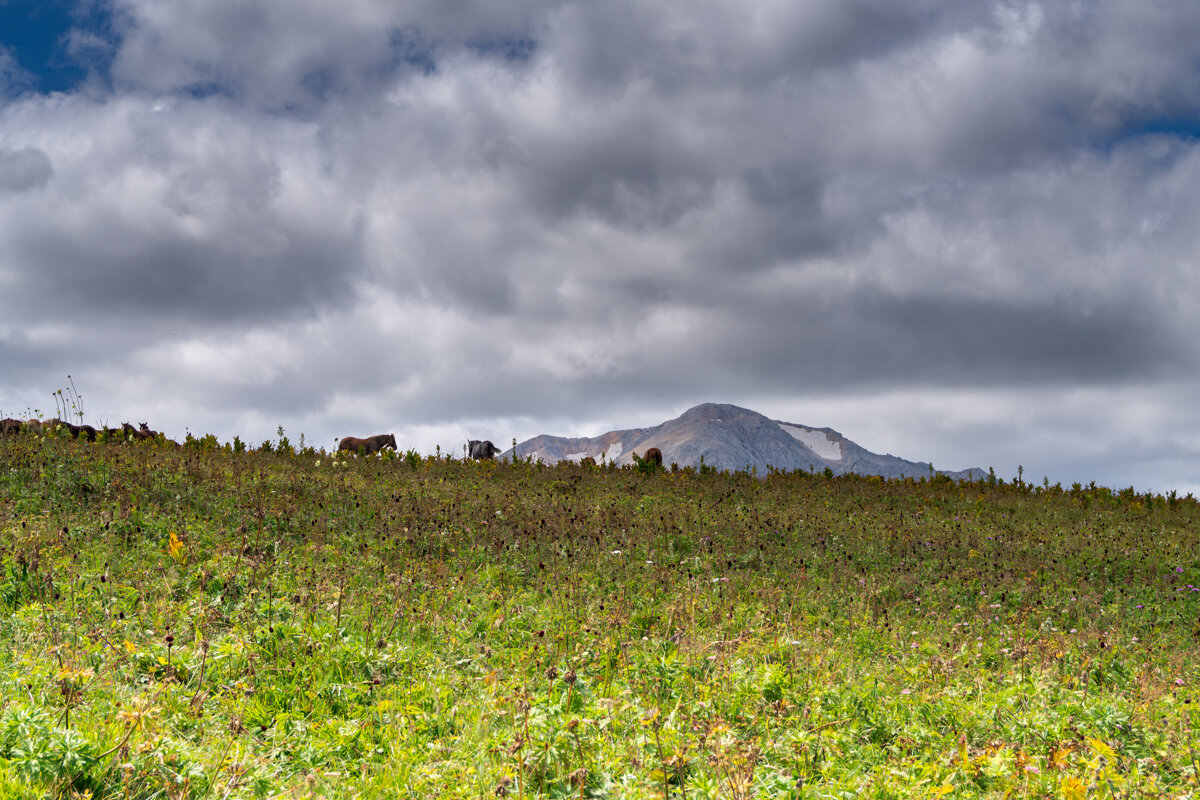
(730, 438)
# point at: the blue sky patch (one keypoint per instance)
(1183, 127)
(410, 46)
(36, 33)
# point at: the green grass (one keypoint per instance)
(195, 622)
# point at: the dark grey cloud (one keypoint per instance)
(873, 341)
(174, 210)
(194, 283)
(24, 169)
(634, 169)
(609, 47)
(299, 58)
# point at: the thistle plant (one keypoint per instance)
(68, 402)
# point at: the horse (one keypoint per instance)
(141, 434)
(653, 456)
(8, 425)
(369, 445)
(56, 424)
(75, 430)
(482, 450)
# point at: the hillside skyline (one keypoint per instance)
(730, 438)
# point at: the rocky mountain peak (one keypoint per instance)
(729, 437)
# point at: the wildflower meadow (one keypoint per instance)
(219, 621)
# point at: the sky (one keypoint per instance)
(963, 233)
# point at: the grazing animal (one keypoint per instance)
(75, 430)
(57, 425)
(653, 456)
(141, 434)
(369, 445)
(482, 451)
(10, 425)
(34, 426)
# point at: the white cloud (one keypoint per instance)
(565, 217)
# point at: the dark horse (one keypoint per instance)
(482, 451)
(75, 430)
(142, 434)
(369, 445)
(653, 456)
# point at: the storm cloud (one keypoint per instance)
(509, 218)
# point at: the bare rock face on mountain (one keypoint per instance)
(728, 437)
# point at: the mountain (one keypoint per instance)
(728, 437)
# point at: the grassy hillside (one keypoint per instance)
(185, 623)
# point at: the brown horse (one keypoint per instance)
(653, 456)
(75, 430)
(8, 425)
(369, 445)
(140, 434)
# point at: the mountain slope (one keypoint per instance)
(729, 437)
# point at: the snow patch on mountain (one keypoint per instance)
(820, 442)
